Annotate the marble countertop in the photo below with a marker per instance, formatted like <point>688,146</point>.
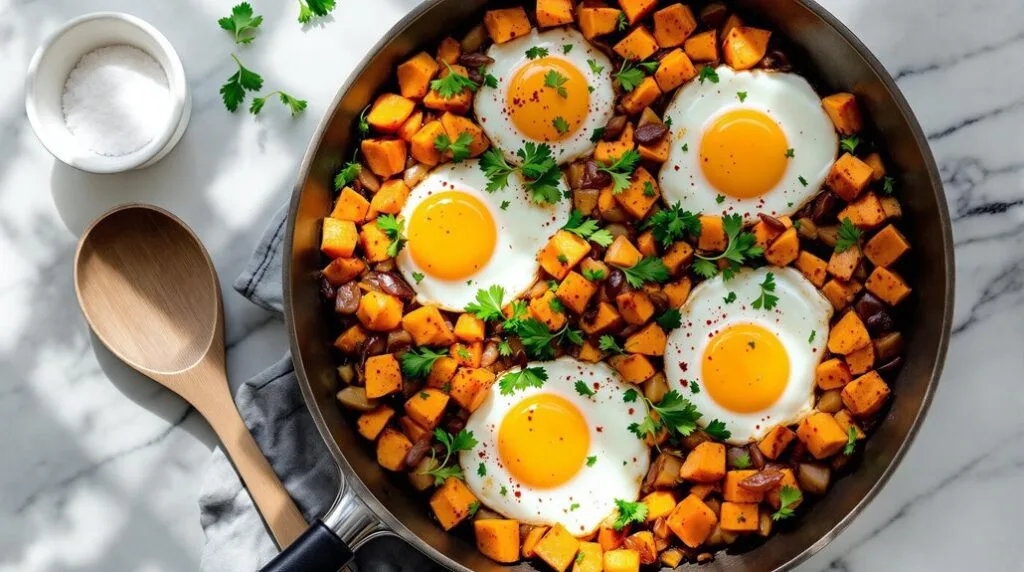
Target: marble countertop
<point>101,469</point>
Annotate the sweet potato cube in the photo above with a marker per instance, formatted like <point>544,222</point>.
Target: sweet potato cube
<point>610,539</point>
<point>743,47</point>
<point>467,354</point>
<point>532,538</point>
<point>886,247</point>
<point>339,238</point>
<point>821,434</point>
<point>673,24</point>
<point>426,407</point>
<point>622,560</point>
<point>739,517</point>
<point>385,157</point>
<point>411,126</point>
<point>845,420</point>
<point>575,292</point>
<point>590,558</point>
<point>891,207</point>
<point>674,70</point>
<point>452,502</point>
<point>371,423</point>
<point>848,177</point>
<point>413,430</point>
<point>557,548</point>
<point>775,442</point>
<point>589,353</point>
<point>554,13</point>
<point>469,328</point>
<point>865,212</point>
<point>677,291</point>
<point>832,374</point>
<point>563,251</point>
<point>705,463</point>
<point>812,267</point>
<point>427,327</point>
<point>862,360</point>
<point>692,520</point>
<point>658,151</point>
<point>785,249</point>
<point>712,233</point>
<point>843,264</point>
<point>389,112</point>
<point>842,109</point>
<point>622,253</point>
<point>497,539</point>
<point>351,206</point>
<point>887,285</point>
<point>659,504</point>
<point>342,270</point>
<point>597,20</point>
<point>456,125</point>
<point>390,198</point>
<point>469,385</point>
<point>848,334</point>
<point>606,319</point>
<point>422,145</point>
<point>841,293</point>
<point>383,376</point>
<point>702,47</point>
<point>379,312</point>
<point>676,256</point>
<point>788,480</point>
<point>458,103</point>
<point>414,75</point>
<point>874,160</point>
<point>642,96</point>
<point>374,242</point>
<point>732,491</point>
<point>506,24</point>
<point>635,307</point>
<point>634,368</point>
<point>637,10</point>
<point>392,447</point>
<point>866,394</point>
<point>449,50</point>
<point>351,340</point>
<point>543,309</point>
<point>442,372</point>
<point>649,340</point>
<point>607,152</point>
<point>642,192</point>
<point>638,45</point>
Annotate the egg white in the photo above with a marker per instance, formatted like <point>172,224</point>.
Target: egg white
<point>801,310</point>
<point>523,228</point>
<point>622,459</point>
<point>492,110</point>
<point>786,98</point>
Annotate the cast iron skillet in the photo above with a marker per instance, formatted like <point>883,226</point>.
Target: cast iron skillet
<point>372,502</point>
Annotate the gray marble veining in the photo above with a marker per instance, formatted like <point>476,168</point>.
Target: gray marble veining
<point>101,468</point>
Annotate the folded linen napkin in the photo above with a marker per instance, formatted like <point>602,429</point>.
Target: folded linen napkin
<point>271,405</point>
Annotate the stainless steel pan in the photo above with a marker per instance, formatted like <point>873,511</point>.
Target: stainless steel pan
<point>373,502</point>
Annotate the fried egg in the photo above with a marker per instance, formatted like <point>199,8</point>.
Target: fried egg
<point>461,238</point>
<point>752,368</point>
<point>558,97</point>
<point>755,142</point>
<point>557,454</point>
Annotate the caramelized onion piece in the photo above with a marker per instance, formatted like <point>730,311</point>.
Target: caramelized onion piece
<point>388,283</point>
<point>762,481</point>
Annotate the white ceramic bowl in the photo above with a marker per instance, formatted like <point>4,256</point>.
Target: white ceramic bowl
<point>53,62</point>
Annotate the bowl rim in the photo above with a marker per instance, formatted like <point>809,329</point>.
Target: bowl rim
<point>177,83</point>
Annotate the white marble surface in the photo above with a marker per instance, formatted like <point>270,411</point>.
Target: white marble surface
<point>100,469</point>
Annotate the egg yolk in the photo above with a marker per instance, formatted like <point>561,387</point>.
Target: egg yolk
<point>451,235</point>
<point>543,440</point>
<point>745,368</point>
<point>548,99</point>
<point>743,153</point>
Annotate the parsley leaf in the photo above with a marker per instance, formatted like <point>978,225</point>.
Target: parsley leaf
<point>587,228</point>
<point>851,441</point>
<point>525,378</point>
<point>788,497</point>
<point>716,429</point>
<point>730,298</point>
<point>583,389</point>
<point>419,361</point>
<point>597,134</point>
<point>594,66</point>
<point>673,412</point>
<point>630,395</point>
<point>802,180</point>
<point>742,246</point>
<point>347,174</point>
<point>535,52</point>
<point>566,48</point>
<point>392,228</point>
<point>489,79</point>
<point>488,304</point>
<point>541,171</point>
<point>607,343</point>
<point>669,320</point>
<point>766,300</point>
<point>621,170</point>
<point>296,105</point>
<point>560,124</point>
<point>848,236</point>
<point>242,23</point>
<point>452,84</point>
<point>591,460</point>
<point>790,153</point>
<point>850,143</point>
<point>629,512</point>
<point>557,81</point>
<point>418,277</point>
<point>538,341</point>
<point>459,148</point>
<point>233,91</point>
<point>720,199</point>
<point>742,95</point>
<point>649,269</point>
<point>463,441</point>
<point>742,461</point>
<point>310,8</point>
<point>629,76</point>
<point>505,204</point>
<point>481,469</point>
<point>672,224</point>
<point>887,185</point>
<point>496,169</point>
<point>621,23</point>
<point>594,275</point>
<point>694,387</point>
<point>707,73</point>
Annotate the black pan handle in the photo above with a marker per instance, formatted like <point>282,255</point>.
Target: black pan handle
<point>317,550</point>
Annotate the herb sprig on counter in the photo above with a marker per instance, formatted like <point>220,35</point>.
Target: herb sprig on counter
<point>243,80</point>
<point>309,9</point>
<point>242,23</point>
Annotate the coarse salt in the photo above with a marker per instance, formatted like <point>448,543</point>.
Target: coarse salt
<point>116,100</point>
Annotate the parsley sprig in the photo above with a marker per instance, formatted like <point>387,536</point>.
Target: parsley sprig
<point>649,269</point>
<point>669,320</point>
<point>587,228</point>
<point>583,389</point>
<point>538,168</point>
<point>850,143</point>
<point>621,170</point>
<point>742,246</point>
<point>672,224</point>
<point>243,80</point>
<point>851,441</point>
<point>674,413</point>
<point>295,104</point>
<point>418,362</point>
<point>347,174</point>
<point>629,512</point>
<point>488,304</point>
<point>630,76</point>
<point>707,73</point>
<point>557,81</point>
<point>607,343</point>
<point>242,23</point>
<point>538,341</point>
<point>525,378</point>
<point>392,226</point>
<point>767,300</point>
<point>848,236</point>
<point>788,497</point>
<point>459,148</point>
<point>309,9</point>
<point>536,52</point>
<point>452,84</point>
<point>463,441</point>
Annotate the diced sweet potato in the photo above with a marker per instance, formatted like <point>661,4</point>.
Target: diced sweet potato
<point>383,376</point>
<point>557,548</point>
<point>379,312</point>
<point>342,270</point>
<point>389,111</point>
<point>414,75</point>
<point>506,24</point>
<point>634,368</point>
<point>385,157</point>
<point>554,13</point>
<point>821,434</point>
<point>677,291</point>
<point>848,334</point>
<point>533,536</point>
<point>467,354</point>
<point>874,160</point>
<point>848,177</point>
<point>641,97</point>
<point>590,558</point>
<point>589,353</point>
<point>442,372</point>
<point>649,340</point>
<point>643,543</point>
<point>575,292</point>
<point>449,50</point>
<point>597,21</point>
<point>622,253</point>
<point>608,152</point>
<point>413,430</point>
<point>843,264</point>
<point>469,386</point>
<point>374,242</point>
<point>455,125</point>
<point>645,243</point>
<point>765,234</point>
<point>371,423</point>
<point>674,70</point>
<point>458,103</point>
<point>392,447</point>
<point>497,539</point>
<point>427,327</point>
<point>841,293</point>
<point>862,360</point>
<point>702,47</point>
<point>642,192</point>
<point>712,233</point>
<point>676,256</point>
<point>469,328</point>
<point>390,198</point>
<point>785,249</point>
<point>733,492</point>
<point>866,394</point>
<point>832,374</point>
<point>659,504</point>
<point>865,212</point>
<point>422,145</point>
<point>350,206</point>
<point>637,10</point>
<point>426,407</point>
<point>788,480</point>
<point>886,247</point>
<point>339,238</point>
<point>351,340</point>
<point>887,285</point>
<point>609,538</point>
<point>705,463</point>
<point>692,521</point>
<point>739,517</point>
<point>563,251</point>
<point>812,267</point>
<point>452,502</point>
<point>775,442</point>
<point>542,308</point>
<point>638,45</point>
<point>605,319</point>
<point>635,307</point>
<point>411,126</point>
<point>658,151</point>
<point>622,560</point>
<point>673,24</point>
<point>845,420</point>
<point>842,109</point>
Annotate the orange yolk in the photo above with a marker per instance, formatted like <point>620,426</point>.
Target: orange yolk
<point>745,368</point>
<point>743,153</point>
<point>543,440</point>
<point>451,235</point>
<point>548,99</point>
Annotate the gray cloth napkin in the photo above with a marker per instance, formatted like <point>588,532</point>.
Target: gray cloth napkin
<point>271,405</point>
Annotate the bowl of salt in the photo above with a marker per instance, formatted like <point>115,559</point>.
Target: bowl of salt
<point>107,93</point>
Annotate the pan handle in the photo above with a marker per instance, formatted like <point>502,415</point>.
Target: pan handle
<point>329,543</point>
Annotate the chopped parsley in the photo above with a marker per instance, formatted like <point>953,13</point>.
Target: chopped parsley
<point>593,274</point>
<point>505,204</point>
<point>742,461</point>
<point>560,124</point>
<point>621,169</point>
<point>566,48</point>
<point>591,460</point>
<point>463,441</point>
<point>391,226</point>
<point>621,23</point>
<point>488,304</point>
<point>583,389</point>
<point>557,81</point>
<point>459,148</point>
<point>887,185</point>
<point>594,66</point>
<point>851,441</point>
<point>649,269</point>
<point>742,246</point>
<point>597,134</point>
<point>850,143</point>
<point>535,52</point>
<point>788,497</point>
<point>523,379</point>
<point>742,95</point>
<point>848,236</point>
<point>720,199</point>
<point>587,228</point>
<point>347,174</point>
<point>503,491</point>
<point>574,506</point>
<point>686,147</point>
<point>481,469</point>
<point>790,153</point>
<point>694,387</point>
<point>563,258</point>
<point>707,73</point>
<point>673,412</point>
<point>538,341</point>
<point>810,338</point>
<point>802,180</point>
<point>766,300</point>
<point>489,79</point>
<point>629,512</point>
<point>473,508</point>
<point>649,189</point>
<point>464,354</point>
<point>607,343</point>
<point>669,320</point>
<point>730,298</point>
<point>672,224</point>
<point>716,429</point>
<point>418,277</point>
<point>504,348</point>
<point>629,76</point>
<point>452,84</point>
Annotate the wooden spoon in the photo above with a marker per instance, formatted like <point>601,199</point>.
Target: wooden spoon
<point>148,289</point>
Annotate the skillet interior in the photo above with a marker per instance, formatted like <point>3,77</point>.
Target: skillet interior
<point>840,63</point>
